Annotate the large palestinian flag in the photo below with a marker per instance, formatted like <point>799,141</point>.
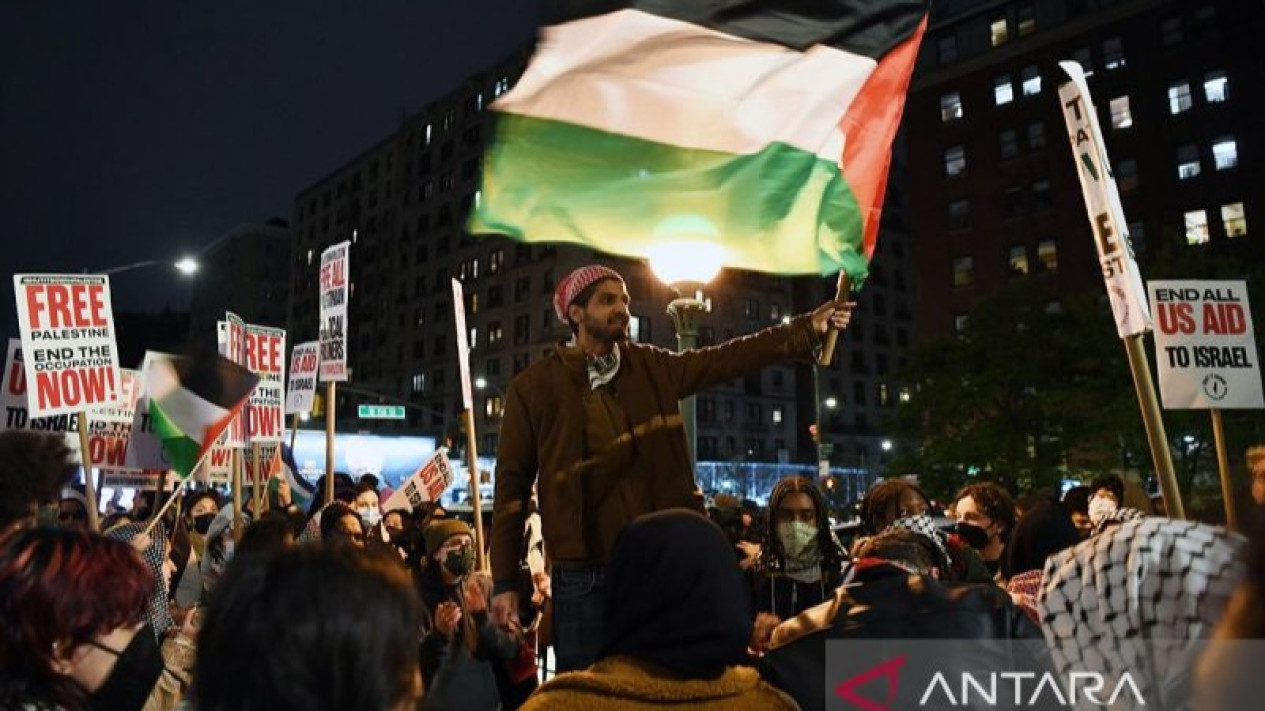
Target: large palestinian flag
<point>192,401</point>
<point>764,128</point>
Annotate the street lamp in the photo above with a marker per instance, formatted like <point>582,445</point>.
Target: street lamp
<point>831,403</point>
<point>188,266</point>
<point>687,266</point>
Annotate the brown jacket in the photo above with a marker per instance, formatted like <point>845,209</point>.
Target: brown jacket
<point>586,498</point>
<point>620,683</point>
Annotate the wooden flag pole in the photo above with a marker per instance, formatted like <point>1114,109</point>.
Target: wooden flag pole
<point>842,290</point>
<point>331,393</point>
<point>90,491</point>
<point>1223,466</point>
<point>1160,455</point>
<point>476,499</point>
<point>237,495</point>
<point>158,492</point>
<point>255,478</point>
<point>294,431</point>
<point>175,496</point>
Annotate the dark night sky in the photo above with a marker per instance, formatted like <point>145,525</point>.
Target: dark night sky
<point>141,130</point>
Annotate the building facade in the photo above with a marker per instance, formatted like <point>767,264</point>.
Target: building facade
<point>246,271</point>
<point>404,202</point>
<point>993,190</point>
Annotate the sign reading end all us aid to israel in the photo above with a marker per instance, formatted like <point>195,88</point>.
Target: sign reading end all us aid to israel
<point>1205,346</point>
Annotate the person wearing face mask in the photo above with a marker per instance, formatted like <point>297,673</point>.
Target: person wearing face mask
<point>461,644</point>
<point>801,561</point>
<point>898,505</point>
<point>201,508</point>
<point>368,508</point>
<point>985,513</point>
<point>73,630</point>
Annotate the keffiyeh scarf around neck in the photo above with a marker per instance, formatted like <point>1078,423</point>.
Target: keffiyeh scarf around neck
<point>157,611</point>
<point>1141,597</point>
<point>924,525</point>
<point>603,368</point>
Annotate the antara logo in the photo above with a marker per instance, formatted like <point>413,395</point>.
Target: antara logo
<point>888,670</point>
<point>1044,689</point>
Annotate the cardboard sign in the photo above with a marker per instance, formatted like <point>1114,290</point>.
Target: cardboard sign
<point>335,273</point>
<point>304,364</point>
<point>1205,346</point>
<point>265,356</point>
<point>217,468</point>
<point>129,479</point>
<point>463,345</point>
<point>144,449</point>
<point>1102,199</point>
<point>428,483</point>
<point>231,336</point>
<point>67,326</point>
<point>16,415</point>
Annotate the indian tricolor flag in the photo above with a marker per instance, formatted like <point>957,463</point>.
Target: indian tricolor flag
<point>192,401</point>
<point>762,128</point>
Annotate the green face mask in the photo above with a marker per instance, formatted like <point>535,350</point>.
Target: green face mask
<point>799,539</point>
<point>461,561</point>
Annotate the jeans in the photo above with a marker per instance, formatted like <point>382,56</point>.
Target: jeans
<point>578,607</point>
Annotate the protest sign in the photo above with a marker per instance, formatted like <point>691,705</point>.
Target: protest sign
<point>13,399</point>
<point>335,266</point>
<point>217,467</point>
<point>265,357</point>
<point>131,479</point>
<point>428,483</point>
<point>231,336</point>
<point>1205,346</point>
<point>70,360</point>
<point>304,362</point>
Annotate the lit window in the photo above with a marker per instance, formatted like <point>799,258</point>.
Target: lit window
<point>1171,31</point>
<point>309,257</point>
<point>998,32</point>
<point>1009,144</point>
<point>634,329</point>
<point>493,407</point>
<point>1121,116</point>
<point>1225,154</point>
<point>959,214</point>
<point>1197,227</point>
<point>1187,162</point>
<point>419,382</point>
<point>1179,98</point>
<point>959,323</point>
<point>947,49</point>
<point>1003,90</point>
<point>1031,81</point>
<point>1127,175</point>
<point>951,106</point>
<point>1026,20</point>
<point>474,339</point>
<point>954,161</point>
<point>1234,220</point>
<point>777,415</point>
<point>1047,255</point>
<point>1036,136</point>
<point>1113,53</point>
<point>1216,88</point>
<point>428,134</point>
<point>1018,260</point>
<point>963,271</point>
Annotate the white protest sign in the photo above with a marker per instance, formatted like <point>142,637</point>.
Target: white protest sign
<point>463,345</point>
<point>110,427</point>
<point>129,479</point>
<point>67,327</point>
<point>144,449</point>
<point>1102,199</point>
<point>1205,346</point>
<point>13,400</point>
<point>428,483</point>
<point>231,337</point>
<point>217,467</point>
<point>304,362</point>
<point>265,356</point>
<point>335,270</point>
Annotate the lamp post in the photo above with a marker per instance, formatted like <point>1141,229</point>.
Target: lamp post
<point>187,266</point>
<point>687,267</point>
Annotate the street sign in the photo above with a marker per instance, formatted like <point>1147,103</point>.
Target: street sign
<point>827,448</point>
<point>381,412</point>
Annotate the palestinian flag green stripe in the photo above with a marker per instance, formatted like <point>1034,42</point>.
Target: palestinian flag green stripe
<point>779,205</point>
<point>182,451</point>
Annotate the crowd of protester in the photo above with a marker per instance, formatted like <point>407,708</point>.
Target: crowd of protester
<point>346,606</point>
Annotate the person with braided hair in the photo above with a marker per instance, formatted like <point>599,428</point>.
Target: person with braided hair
<point>900,505</point>
<point>801,561</point>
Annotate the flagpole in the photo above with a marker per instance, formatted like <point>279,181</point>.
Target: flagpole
<point>175,496</point>
<point>294,431</point>
<point>1223,467</point>
<point>476,498</point>
<point>85,458</point>
<point>1155,435</point>
<point>237,494</point>
<point>842,290</point>
<point>331,393</point>
<point>158,492</point>
<point>256,477</point>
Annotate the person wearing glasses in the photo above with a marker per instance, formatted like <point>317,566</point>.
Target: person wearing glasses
<point>73,509</point>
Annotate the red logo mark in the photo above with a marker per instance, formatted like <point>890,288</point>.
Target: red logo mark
<point>888,669</point>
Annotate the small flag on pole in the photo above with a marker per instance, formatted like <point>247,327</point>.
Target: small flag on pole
<point>762,129</point>
<point>192,401</point>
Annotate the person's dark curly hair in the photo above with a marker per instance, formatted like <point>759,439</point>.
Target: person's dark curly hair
<point>1110,482</point>
<point>33,469</point>
<point>881,504</point>
<point>773,556</point>
<point>994,501</point>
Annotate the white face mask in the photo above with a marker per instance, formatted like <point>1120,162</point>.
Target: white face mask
<point>1100,507</point>
<point>370,516</point>
<point>799,539</point>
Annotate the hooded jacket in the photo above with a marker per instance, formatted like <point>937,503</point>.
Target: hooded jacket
<point>586,498</point>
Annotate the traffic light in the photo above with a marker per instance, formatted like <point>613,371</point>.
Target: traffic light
<point>814,432</point>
